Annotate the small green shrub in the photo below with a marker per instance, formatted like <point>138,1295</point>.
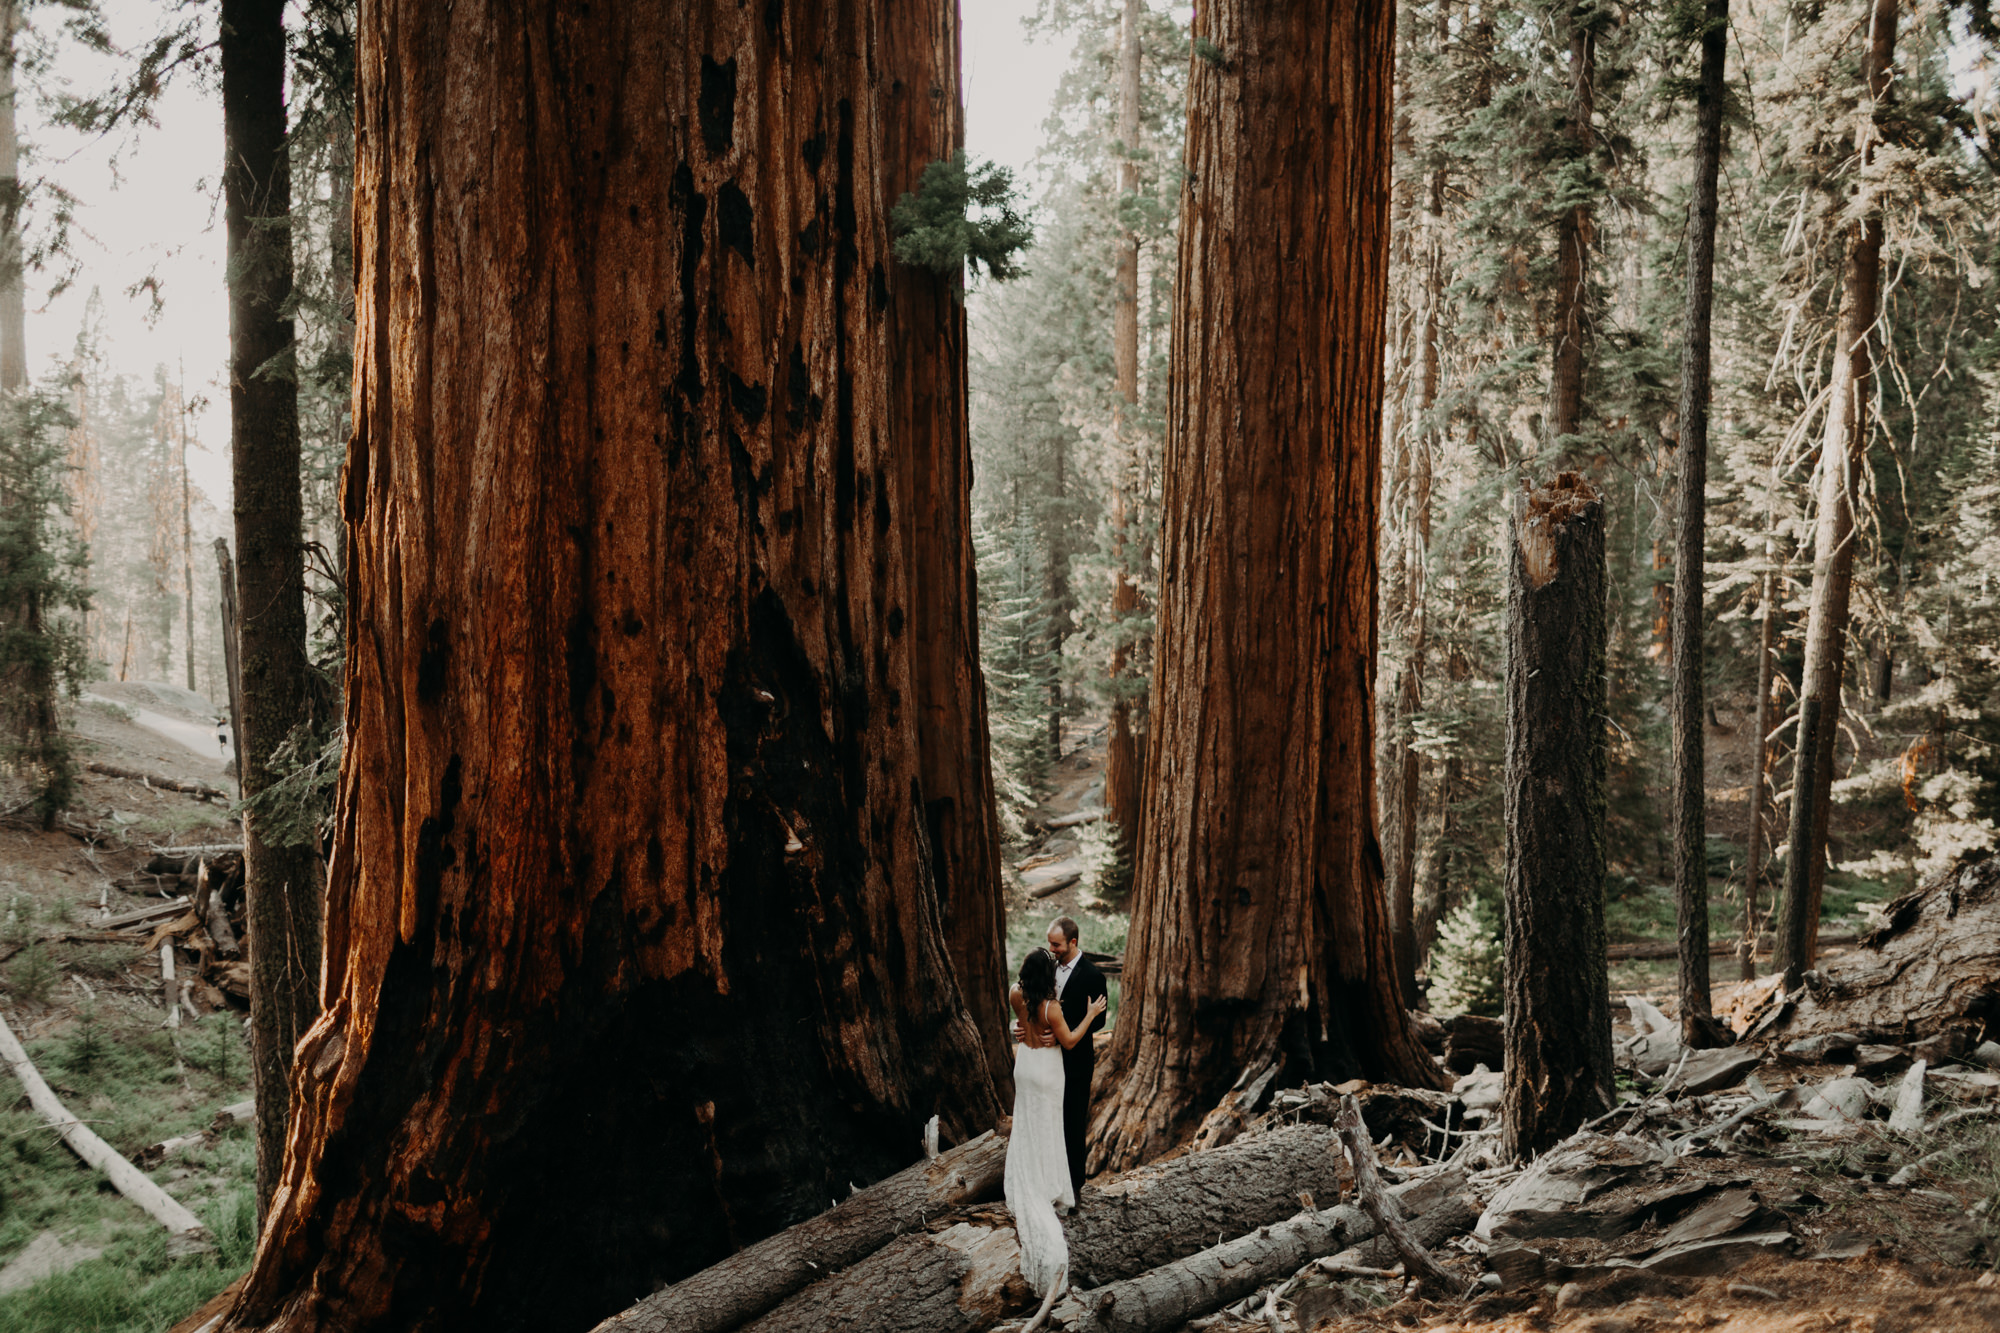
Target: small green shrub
<point>959,216</point>
<point>1465,963</point>
<point>34,974</point>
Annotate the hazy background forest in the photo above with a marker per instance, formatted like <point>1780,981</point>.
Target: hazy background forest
<point>116,487</point>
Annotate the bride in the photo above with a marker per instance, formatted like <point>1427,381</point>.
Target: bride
<point>1037,1166</point>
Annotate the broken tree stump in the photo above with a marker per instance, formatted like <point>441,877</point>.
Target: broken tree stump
<point>754,1280</point>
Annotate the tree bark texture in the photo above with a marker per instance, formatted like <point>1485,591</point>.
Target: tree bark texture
<point>1260,926</point>
<point>754,1280</point>
<point>924,122</point>
<point>963,1279</point>
<point>282,882</point>
<point>1558,1011</point>
<point>1575,231</point>
<point>1760,769</point>
<point>1690,783</point>
<point>1123,790</point>
<point>1843,455</point>
<point>634,955</point>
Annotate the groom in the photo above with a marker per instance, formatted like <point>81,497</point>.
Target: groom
<point>1078,982</point>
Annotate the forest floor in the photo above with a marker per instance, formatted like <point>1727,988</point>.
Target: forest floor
<point>74,1254</point>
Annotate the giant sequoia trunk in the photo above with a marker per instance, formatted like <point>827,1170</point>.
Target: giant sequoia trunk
<point>1123,755</point>
<point>281,879</point>
<point>922,123</point>
<point>1843,454</point>
<point>1558,1030</point>
<point>633,950</point>
<point>1260,930</point>
<point>1690,780</point>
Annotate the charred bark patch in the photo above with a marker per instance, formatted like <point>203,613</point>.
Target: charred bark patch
<point>813,151</point>
<point>798,390</point>
<point>809,239</point>
<point>716,106</point>
<point>433,662</point>
<point>694,215</point>
<point>736,222</point>
<point>749,400</point>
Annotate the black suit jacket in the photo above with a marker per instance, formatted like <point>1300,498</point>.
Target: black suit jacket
<point>1086,983</point>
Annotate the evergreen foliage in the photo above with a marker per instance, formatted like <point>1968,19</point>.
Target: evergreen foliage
<point>43,597</point>
<point>1466,974</point>
<point>962,215</point>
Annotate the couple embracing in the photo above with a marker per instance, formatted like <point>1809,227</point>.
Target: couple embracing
<point>1058,1002</point>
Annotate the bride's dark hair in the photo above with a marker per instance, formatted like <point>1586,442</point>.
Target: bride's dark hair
<point>1038,979</point>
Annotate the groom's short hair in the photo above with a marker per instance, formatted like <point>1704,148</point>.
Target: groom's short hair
<point>1067,925</point>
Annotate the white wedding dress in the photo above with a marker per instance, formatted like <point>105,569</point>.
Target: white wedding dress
<point>1037,1180</point>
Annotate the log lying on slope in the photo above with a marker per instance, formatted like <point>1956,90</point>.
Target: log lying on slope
<point>1934,966</point>
<point>1167,1211</point>
<point>757,1278</point>
<point>188,1232</point>
<point>967,1276</point>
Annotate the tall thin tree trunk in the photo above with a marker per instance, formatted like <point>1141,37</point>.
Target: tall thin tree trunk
<point>1843,455</point>
<point>1260,931</point>
<point>1558,1026</point>
<point>282,884</point>
<point>1574,235</point>
<point>187,536</point>
<point>924,122</point>
<point>1122,772</point>
<point>1698,1027</point>
<point>13,281</point>
<point>1760,768</point>
<point>633,949</point>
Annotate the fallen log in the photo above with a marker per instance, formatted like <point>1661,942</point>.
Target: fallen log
<point>1934,966</point>
<point>966,1277</point>
<point>1090,816</point>
<point>201,789</point>
<point>128,1179</point>
<point>1053,886</point>
<point>172,907</point>
<point>755,1279</point>
<point>1717,948</point>
<point>1167,1211</point>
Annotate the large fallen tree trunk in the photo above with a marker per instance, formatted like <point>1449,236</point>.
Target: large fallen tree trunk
<point>1935,965</point>
<point>1172,1209</point>
<point>966,1276</point>
<point>201,789</point>
<point>1169,1296</point>
<point>750,1282</point>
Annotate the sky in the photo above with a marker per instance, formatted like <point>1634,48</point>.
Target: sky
<point>148,207</point>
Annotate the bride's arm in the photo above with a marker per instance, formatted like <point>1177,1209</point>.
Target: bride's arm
<point>1061,1027</point>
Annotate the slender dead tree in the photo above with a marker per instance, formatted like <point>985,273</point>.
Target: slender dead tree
<point>1690,783</point>
<point>1843,455</point>
<point>1558,1023</point>
<point>634,953</point>
<point>1260,931</point>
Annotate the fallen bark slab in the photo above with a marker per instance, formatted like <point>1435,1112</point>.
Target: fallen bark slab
<point>128,1179</point>
<point>756,1279</point>
<point>201,789</point>
<point>1934,966</point>
<point>1167,1211</point>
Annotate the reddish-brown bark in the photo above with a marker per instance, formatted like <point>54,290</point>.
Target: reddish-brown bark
<point>633,950</point>
<point>1260,929</point>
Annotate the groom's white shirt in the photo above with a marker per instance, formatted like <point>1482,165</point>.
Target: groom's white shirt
<point>1062,975</point>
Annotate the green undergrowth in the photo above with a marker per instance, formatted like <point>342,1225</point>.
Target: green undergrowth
<point>134,1083</point>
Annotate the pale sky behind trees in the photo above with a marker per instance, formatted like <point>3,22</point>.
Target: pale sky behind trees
<point>148,206</point>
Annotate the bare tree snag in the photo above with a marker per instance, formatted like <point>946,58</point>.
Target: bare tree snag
<point>1843,455</point>
<point>1690,784</point>
<point>924,121</point>
<point>1388,1217</point>
<point>1760,769</point>
<point>757,1278</point>
<point>1558,1012</point>
<point>1571,355</point>
<point>282,881</point>
<point>634,954</point>
<point>1260,924</point>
